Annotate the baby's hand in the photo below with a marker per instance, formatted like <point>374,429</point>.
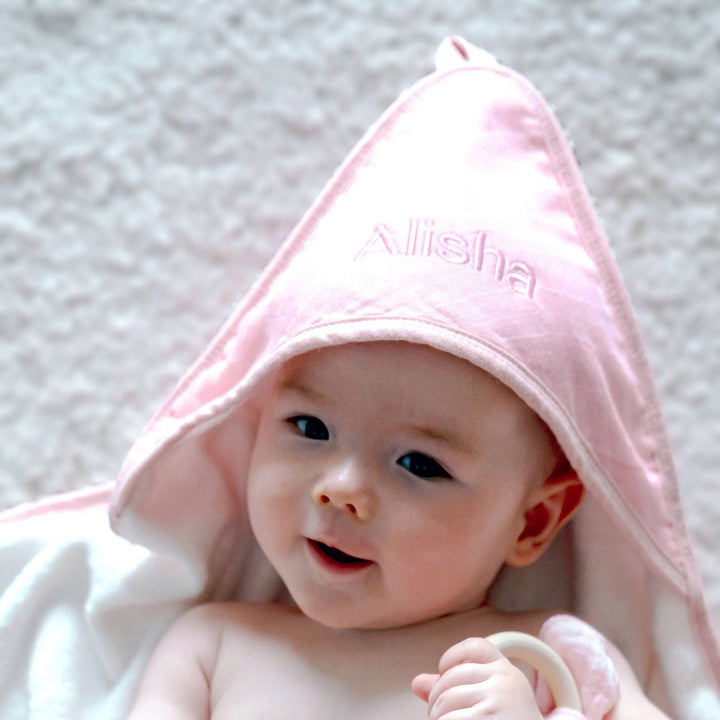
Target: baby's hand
<point>476,681</point>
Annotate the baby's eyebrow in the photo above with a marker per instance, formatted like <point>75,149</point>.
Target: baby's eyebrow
<point>449,438</point>
<point>297,387</point>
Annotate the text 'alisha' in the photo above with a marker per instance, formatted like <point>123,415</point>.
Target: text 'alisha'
<point>473,250</point>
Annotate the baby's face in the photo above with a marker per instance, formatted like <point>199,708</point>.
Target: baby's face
<point>389,482</point>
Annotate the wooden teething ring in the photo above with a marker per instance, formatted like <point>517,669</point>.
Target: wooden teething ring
<point>520,646</point>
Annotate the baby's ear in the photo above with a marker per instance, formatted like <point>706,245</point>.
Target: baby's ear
<point>550,506</point>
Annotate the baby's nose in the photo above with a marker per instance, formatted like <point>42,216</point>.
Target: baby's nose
<point>346,488</point>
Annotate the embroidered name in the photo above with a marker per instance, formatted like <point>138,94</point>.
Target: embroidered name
<point>469,249</point>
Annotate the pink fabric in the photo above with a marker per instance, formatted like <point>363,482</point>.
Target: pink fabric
<point>459,221</point>
<point>584,651</point>
<point>463,224</point>
<point>566,714</point>
<point>84,499</point>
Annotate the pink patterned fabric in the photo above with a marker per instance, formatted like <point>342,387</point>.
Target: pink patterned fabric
<point>584,651</point>
<point>459,221</point>
<point>566,714</point>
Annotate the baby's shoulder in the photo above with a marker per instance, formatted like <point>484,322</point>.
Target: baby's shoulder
<point>219,617</point>
<point>216,632</point>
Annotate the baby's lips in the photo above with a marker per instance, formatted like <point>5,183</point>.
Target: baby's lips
<point>338,555</point>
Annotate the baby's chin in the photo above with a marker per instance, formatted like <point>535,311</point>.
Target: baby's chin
<point>347,620</point>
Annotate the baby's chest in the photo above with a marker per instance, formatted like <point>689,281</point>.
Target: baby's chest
<point>284,702</point>
<point>282,686</point>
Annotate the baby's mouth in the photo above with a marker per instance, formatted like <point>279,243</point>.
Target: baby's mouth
<point>338,556</point>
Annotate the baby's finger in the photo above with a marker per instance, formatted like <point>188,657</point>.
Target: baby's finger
<point>471,650</point>
<point>457,701</point>
<point>460,676</point>
<point>422,685</point>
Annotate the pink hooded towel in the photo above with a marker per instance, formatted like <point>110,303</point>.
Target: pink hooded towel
<point>459,221</point>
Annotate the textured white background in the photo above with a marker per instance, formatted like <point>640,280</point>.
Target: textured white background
<point>153,154</point>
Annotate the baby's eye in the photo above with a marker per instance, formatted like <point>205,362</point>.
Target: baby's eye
<point>423,466</point>
<point>310,427</point>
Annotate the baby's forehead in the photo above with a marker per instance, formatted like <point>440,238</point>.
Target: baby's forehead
<point>418,369</point>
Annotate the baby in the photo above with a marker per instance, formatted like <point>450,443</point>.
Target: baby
<point>363,469</point>
<point>388,485</point>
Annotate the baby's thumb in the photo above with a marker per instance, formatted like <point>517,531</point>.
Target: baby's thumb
<point>422,685</point>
